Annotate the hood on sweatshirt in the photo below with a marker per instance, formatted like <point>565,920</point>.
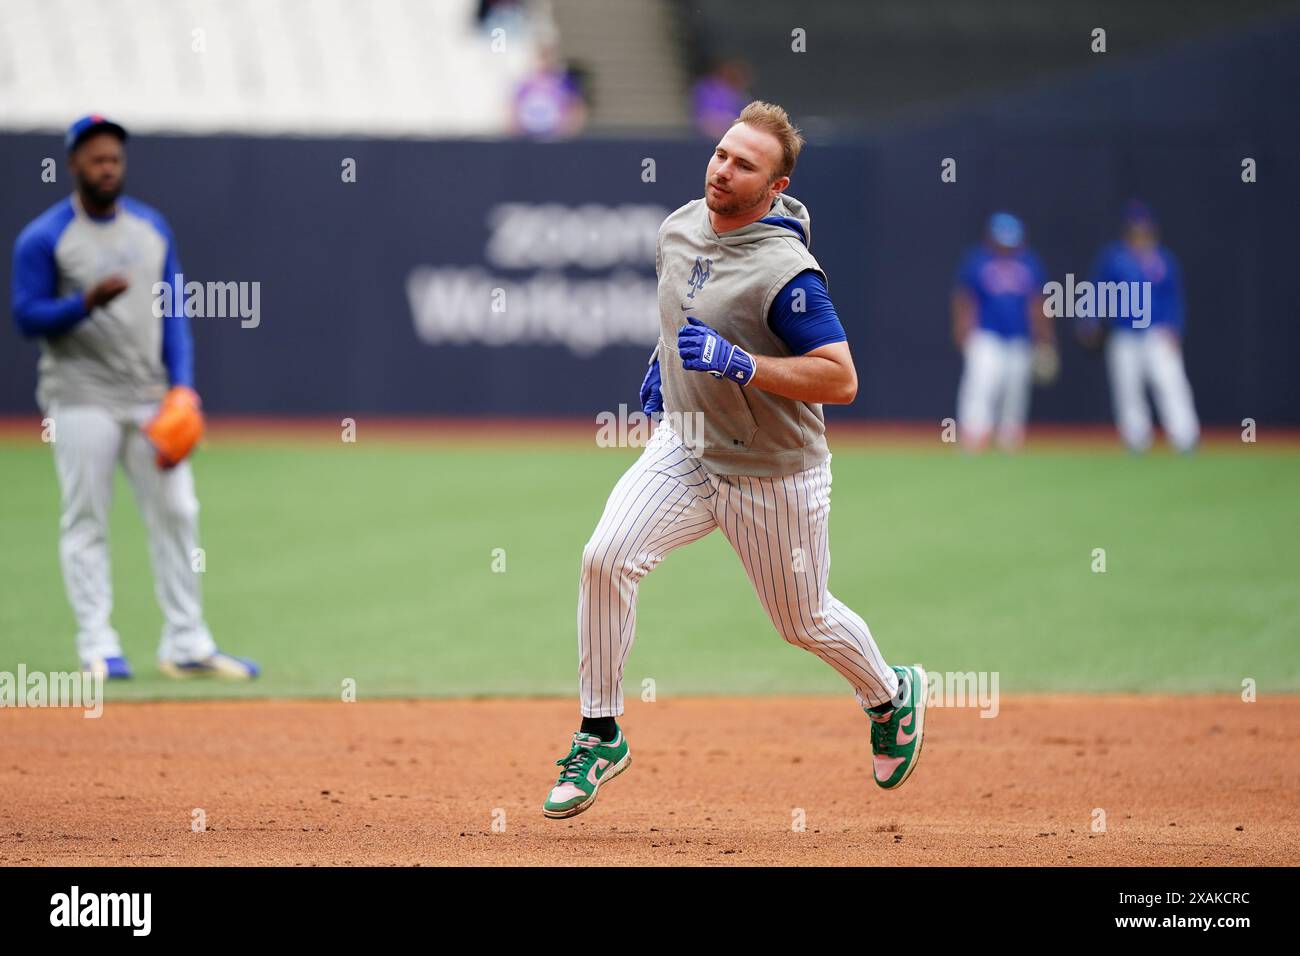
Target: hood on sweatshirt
<point>787,215</point>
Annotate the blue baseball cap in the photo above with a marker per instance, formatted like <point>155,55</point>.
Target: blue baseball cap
<point>93,123</point>
<point>1006,230</point>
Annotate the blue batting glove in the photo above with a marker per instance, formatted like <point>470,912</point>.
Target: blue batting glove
<point>704,350</point>
<point>652,400</point>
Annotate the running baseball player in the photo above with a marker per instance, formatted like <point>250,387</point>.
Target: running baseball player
<point>1004,336</point>
<point>750,347</point>
<point>1145,354</point>
<point>116,379</point>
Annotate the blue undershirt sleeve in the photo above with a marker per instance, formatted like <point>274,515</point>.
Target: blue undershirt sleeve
<point>38,311</point>
<point>177,341</point>
<point>803,316</point>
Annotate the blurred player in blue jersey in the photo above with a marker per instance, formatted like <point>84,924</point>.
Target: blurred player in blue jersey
<point>1145,355</point>
<point>116,375</point>
<point>1006,340</point>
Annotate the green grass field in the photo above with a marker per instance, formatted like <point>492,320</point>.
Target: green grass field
<point>375,562</point>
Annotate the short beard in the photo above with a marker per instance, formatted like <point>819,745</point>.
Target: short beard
<point>734,207</point>
<point>100,197</point>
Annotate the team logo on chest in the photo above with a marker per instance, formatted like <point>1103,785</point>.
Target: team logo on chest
<point>699,275</point>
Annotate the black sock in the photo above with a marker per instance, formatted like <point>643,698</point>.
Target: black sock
<point>602,727</point>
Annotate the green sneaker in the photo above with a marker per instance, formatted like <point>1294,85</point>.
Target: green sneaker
<point>896,739</point>
<point>588,764</point>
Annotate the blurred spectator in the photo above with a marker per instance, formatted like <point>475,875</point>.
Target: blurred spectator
<point>549,103</point>
<point>718,97</point>
<point>997,322</point>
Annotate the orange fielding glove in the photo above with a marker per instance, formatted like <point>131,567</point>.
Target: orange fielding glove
<point>177,427</point>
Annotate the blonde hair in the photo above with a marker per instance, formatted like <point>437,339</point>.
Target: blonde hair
<point>773,119</point>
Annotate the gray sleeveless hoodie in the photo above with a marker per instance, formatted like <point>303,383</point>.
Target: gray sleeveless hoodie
<point>728,282</point>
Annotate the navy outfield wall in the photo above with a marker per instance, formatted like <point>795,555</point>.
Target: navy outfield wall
<point>377,296</point>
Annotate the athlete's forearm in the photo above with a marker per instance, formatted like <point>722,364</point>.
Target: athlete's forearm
<point>806,378</point>
<point>37,317</point>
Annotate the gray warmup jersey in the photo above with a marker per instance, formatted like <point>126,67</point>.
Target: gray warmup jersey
<point>729,282</point>
<point>113,357</point>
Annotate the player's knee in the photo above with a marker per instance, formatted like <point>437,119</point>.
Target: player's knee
<point>178,508</point>
<point>594,564</point>
<point>810,629</point>
<point>83,527</point>
<point>600,564</point>
<point>794,636</point>
<point>801,632</point>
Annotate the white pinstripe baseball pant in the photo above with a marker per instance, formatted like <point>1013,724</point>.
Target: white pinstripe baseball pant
<point>776,525</point>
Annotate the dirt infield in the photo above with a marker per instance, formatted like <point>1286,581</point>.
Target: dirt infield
<point>1181,780</point>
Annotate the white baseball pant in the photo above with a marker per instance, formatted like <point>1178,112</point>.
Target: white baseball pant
<point>994,390</point>
<point>1136,359</point>
<point>777,526</point>
<point>89,441</point>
